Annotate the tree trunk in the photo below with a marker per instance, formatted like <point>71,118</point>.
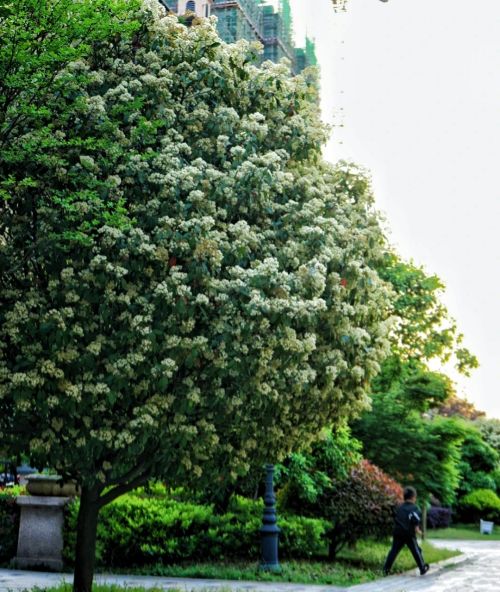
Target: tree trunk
<point>86,539</point>
<point>424,520</point>
<point>333,545</point>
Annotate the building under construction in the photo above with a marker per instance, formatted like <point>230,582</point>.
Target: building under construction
<point>253,20</point>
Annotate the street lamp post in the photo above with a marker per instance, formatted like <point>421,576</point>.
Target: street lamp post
<point>269,532</point>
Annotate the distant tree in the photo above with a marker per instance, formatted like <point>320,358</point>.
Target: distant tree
<point>479,463</point>
<point>411,448</point>
<point>399,434</point>
<point>456,406</point>
<point>424,329</point>
<point>490,430</point>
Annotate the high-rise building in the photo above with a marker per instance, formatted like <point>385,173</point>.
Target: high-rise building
<point>199,7</point>
<point>305,56</point>
<point>253,20</point>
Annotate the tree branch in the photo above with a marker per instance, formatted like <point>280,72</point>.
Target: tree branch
<point>111,495</point>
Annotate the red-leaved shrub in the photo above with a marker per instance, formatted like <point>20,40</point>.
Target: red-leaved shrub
<point>361,506</point>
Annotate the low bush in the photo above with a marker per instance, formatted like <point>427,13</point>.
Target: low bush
<point>137,530</point>
<point>438,517</point>
<point>481,503</point>
<point>9,524</point>
<point>361,506</point>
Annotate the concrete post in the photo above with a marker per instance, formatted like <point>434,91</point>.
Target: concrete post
<point>40,542</point>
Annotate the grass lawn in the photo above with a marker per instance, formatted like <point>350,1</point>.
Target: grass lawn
<point>465,532</point>
<point>353,566</point>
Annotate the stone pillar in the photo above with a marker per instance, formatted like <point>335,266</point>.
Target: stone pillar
<point>40,542</point>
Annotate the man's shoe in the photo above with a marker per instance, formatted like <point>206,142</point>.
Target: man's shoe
<point>424,570</point>
<point>386,572</point>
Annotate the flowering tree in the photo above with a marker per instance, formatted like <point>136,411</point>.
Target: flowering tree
<point>185,285</point>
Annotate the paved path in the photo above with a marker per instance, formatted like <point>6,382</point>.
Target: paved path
<point>477,571</point>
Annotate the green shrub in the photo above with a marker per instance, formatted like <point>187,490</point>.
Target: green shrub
<point>481,503</point>
<point>9,523</point>
<point>333,482</point>
<point>138,529</point>
<point>306,476</point>
<point>303,537</point>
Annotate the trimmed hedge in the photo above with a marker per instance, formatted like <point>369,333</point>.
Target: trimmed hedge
<point>480,503</point>
<point>438,517</point>
<point>136,531</point>
<point>9,524</point>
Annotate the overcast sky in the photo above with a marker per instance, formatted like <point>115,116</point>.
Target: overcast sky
<point>416,84</point>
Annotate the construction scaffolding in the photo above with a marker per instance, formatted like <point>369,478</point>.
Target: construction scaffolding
<point>255,20</point>
<point>311,58</point>
<point>277,36</point>
<point>239,19</point>
<point>286,17</point>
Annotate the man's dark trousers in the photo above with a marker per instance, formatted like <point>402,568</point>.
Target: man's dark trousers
<point>398,542</point>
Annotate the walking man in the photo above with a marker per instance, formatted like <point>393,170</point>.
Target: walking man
<point>406,525</point>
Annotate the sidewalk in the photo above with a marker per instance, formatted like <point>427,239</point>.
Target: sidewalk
<point>15,581</point>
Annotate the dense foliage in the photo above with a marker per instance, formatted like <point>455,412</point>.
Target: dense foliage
<point>402,434</point>
<point>307,476</point>
<point>144,530</point>
<point>480,504</point>
<point>478,465</point>
<point>490,431</point>
<point>9,524</point>
<point>38,39</point>
<point>410,447</point>
<point>333,482</point>
<point>165,264</point>
<point>424,329</point>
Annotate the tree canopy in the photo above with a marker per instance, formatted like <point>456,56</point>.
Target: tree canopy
<point>400,433</point>
<point>479,463</point>
<point>186,285</point>
<point>409,446</point>
<point>424,329</point>
<point>38,38</point>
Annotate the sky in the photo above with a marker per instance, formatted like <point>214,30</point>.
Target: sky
<point>416,86</point>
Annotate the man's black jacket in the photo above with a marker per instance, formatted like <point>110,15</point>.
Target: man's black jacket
<point>406,519</point>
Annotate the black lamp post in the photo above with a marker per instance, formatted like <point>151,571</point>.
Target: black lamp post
<point>269,531</point>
